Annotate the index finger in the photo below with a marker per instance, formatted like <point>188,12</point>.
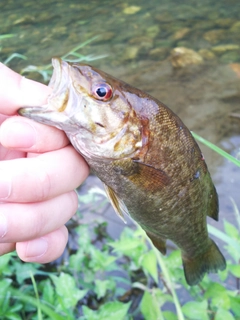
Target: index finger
<point>16,91</point>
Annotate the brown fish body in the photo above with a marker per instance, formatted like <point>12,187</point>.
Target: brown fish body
<point>150,164</point>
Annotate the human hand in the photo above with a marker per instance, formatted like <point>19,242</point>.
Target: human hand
<point>38,172</point>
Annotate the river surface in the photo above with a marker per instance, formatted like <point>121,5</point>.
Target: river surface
<point>137,38</point>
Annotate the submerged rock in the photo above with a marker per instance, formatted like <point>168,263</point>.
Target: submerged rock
<point>182,57</point>
<point>131,9</point>
<point>130,53</point>
<point>230,56</point>
<point>206,54</point>
<point>181,33</point>
<point>235,27</point>
<point>226,47</point>
<point>235,68</point>
<point>159,53</point>
<point>214,36</point>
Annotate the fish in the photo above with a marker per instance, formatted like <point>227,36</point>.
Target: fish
<point>152,168</point>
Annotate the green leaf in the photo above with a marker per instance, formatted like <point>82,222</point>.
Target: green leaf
<point>12,316</point>
<point>24,271</point>
<point>113,310</point>
<point>223,315</point>
<point>234,269</point>
<point>231,230</point>
<point>168,315</point>
<point>223,274</point>
<point>4,264</point>
<point>174,259</point>
<point>234,245</point>
<point>66,289</point>
<point>48,293</point>
<point>101,260</point>
<point>195,310</point>
<point>150,307</point>
<point>149,264</point>
<point>102,286</point>
<point>110,311</point>
<point>125,246</point>
<point>89,314</point>
<point>219,296</point>
<point>235,305</point>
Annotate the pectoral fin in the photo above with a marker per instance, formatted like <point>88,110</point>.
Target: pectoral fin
<point>144,176</point>
<point>116,202</point>
<point>149,178</point>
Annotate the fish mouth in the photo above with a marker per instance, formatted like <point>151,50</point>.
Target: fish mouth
<point>58,81</point>
<point>52,113</point>
<point>57,74</point>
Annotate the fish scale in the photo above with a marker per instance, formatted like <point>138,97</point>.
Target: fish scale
<point>150,164</point>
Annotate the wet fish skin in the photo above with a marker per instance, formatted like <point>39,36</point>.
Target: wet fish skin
<point>150,164</point>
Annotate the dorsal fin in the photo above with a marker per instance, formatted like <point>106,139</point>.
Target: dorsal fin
<point>116,202</point>
<point>213,206</point>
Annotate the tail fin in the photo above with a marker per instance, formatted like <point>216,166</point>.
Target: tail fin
<point>210,261</point>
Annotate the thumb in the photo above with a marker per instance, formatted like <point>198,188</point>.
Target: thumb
<point>16,91</point>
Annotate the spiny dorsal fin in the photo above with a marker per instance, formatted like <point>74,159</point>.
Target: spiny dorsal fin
<point>118,204</point>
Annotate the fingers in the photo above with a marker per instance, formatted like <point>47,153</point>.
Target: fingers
<point>42,177</point>
<point>41,235</point>
<point>34,220</point>
<point>24,134</point>
<point>17,91</point>
<point>6,154</point>
<point>6,248</point>
<point>43,249</point>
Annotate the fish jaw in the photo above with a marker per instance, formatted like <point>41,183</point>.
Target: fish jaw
<point>46,116</point>
<point>56,112</point>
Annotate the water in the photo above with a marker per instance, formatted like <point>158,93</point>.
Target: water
<point>138,37</point>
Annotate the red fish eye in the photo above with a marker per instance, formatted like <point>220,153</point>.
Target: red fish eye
<point>102,91</point>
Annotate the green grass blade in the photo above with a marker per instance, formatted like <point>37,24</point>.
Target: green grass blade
<point>5,36</point>
<point>13,56</point>
<point>222,236</point>
<point>39,311</point>
<point>167,277</point>
<point>81,45</point>
<point>216,149</point>
<point>236,212</point>
<point>19,295</point>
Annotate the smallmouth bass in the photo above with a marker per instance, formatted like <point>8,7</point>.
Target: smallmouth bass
<point>150,164</point>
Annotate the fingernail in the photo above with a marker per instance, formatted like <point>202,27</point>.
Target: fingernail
<point>18,134</point>
<point>36,248</point>
<point>3,225</point>
<point>5,185</point>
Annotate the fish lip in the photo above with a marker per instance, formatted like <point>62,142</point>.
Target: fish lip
<point>57,74</point>
<point>46,112</point>
<point>60,71</point>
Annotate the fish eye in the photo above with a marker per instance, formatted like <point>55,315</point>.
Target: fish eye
<point>102,91</point>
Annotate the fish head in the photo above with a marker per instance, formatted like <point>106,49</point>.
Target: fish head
<point>93,110</point>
